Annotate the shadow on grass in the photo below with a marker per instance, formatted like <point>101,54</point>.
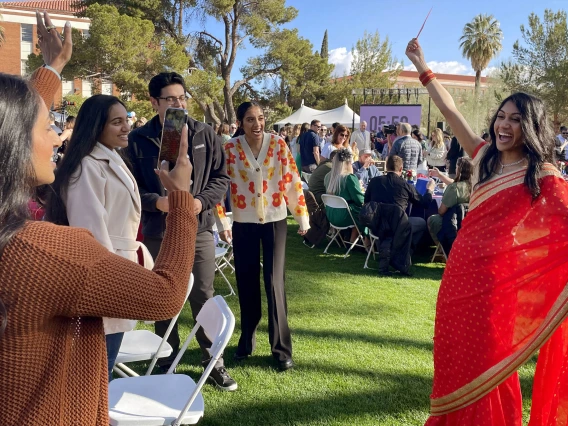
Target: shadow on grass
<point>363,337</point>
<point>401,393</point>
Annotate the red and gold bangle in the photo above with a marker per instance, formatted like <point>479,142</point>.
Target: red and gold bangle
<point>426,77</point>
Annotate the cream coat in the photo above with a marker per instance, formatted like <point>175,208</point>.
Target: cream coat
<point>106,201</point>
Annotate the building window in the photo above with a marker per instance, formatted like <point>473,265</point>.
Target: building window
<point>86,88</point>
<point>86,34</point>
<point>24,66</point>
<point>67,87</point>
<point>106,88</point>
<point>27,33</point>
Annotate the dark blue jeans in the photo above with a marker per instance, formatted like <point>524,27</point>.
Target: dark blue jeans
<point>113,342</point>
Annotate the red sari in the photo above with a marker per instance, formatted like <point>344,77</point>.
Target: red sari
<point>503,297</point>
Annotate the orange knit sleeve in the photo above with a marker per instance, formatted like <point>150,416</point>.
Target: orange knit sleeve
<point>46,82</point>
<point>76,276</point>
<point>118,288</point>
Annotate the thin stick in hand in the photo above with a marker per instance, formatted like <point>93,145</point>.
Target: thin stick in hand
<point>422,27</point>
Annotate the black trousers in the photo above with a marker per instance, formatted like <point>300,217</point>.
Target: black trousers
<point>204,275</point>
<point>247,238</point>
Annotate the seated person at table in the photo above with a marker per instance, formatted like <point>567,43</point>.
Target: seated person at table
<point>457,192</point>
<point>339,139</point>
<point>391,188</point>
<point>316,183</point>
<point>342,182</point>
<point>364,168</point>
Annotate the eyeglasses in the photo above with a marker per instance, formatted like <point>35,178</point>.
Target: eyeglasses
<point>343,135</point>
<point>565,133</point>
<point>173,99</point>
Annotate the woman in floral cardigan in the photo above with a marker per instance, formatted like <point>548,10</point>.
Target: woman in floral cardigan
<point>264,181</point>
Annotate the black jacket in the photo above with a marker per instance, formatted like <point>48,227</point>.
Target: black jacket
<point>210,178</point>
<point>393,189</point>
<point>451,224</point>
<point>319,225</point>
<point>456,151</point>
<point>390,223</point>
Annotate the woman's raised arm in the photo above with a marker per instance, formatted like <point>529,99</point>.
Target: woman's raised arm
<point>444,101</point>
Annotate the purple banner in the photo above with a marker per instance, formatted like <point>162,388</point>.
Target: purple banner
<point>378,116</point>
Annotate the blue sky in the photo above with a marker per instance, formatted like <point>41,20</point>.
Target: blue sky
<point>400,20</point>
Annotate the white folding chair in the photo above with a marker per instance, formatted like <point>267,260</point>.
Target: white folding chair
<point>172,399</point>
<point>439,253</point>
<point>306,176</point>
<point>143,345</point>
<point>371,250</point>
<point>340,203</point>
<point>222,260</point>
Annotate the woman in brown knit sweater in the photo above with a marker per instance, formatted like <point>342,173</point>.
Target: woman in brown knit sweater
<point>57,282</point>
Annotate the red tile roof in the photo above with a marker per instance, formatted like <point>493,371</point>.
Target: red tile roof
<point>66,6</point>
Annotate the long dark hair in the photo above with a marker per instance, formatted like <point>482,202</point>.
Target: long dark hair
<point>464,171</point>
<point>19,107</point>
<point>241,112</point>
<point>538,144</point>
<point>91,121</point>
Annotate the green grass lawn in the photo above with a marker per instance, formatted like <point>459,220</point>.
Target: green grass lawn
<point>362,347</point>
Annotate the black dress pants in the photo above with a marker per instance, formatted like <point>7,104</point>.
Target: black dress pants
<point>203,275</point>
<point>247,238</point>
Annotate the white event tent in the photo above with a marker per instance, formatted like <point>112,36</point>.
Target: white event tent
<point>342,115</point>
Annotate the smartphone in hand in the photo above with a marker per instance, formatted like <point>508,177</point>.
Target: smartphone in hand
<point>174,121</point>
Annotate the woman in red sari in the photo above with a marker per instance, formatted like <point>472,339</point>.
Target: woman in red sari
<point>503,295</point>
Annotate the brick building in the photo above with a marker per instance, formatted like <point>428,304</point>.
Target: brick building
<point>19,23</point>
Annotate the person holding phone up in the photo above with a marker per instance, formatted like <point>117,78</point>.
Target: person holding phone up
<point>210,182</point>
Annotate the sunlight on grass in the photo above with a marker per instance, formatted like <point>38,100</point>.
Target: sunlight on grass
<point>362,348</point>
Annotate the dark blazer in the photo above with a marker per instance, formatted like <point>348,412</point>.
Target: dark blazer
<point>210,178</point>
<point>390,223</point>
<point>451,224</point>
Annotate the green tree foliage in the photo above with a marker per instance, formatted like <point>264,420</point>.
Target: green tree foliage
<point>373,66</point>
<point>77,102</point>
<point>480,42</point>
<point>243,21</point>
<point>324,52</point>
<point>541,63</point>
<point>167,16</point>
<point>302,74</point>
<point>120,48</point>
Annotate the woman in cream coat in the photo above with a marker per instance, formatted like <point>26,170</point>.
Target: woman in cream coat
<point>94,189</point>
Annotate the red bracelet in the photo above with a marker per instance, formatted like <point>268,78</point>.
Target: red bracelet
<point>426,77</point>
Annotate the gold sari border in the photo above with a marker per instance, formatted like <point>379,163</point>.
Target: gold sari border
<point>490,189</point>
<point>497,374</point>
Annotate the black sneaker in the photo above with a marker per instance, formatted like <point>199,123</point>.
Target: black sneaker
<point>221,379</point>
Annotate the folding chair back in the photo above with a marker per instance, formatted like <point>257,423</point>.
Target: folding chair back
<point>337,202</point>
<point>172,399</point>
<point>142,345</point>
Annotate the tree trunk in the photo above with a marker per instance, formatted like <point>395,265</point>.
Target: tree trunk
<point>180,20</point>
<point>477,82</point>
<point>476,97</point>
<point>231,116</point>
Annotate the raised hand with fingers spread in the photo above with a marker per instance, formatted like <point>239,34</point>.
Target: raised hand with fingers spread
<point>55,48</point>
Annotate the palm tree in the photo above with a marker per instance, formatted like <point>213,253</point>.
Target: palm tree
<point>480,42</point>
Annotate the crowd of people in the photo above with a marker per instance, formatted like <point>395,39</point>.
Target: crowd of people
<point>502,297</point>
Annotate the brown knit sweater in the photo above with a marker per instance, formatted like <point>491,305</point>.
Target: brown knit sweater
<point>57,282</point>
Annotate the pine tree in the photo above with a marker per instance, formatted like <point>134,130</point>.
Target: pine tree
<point>324,47</point>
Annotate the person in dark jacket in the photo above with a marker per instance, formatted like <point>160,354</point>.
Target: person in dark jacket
<point>210,182</point>
<point>391,188</point>
<point>310,147</point>
<point>456,151</point>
